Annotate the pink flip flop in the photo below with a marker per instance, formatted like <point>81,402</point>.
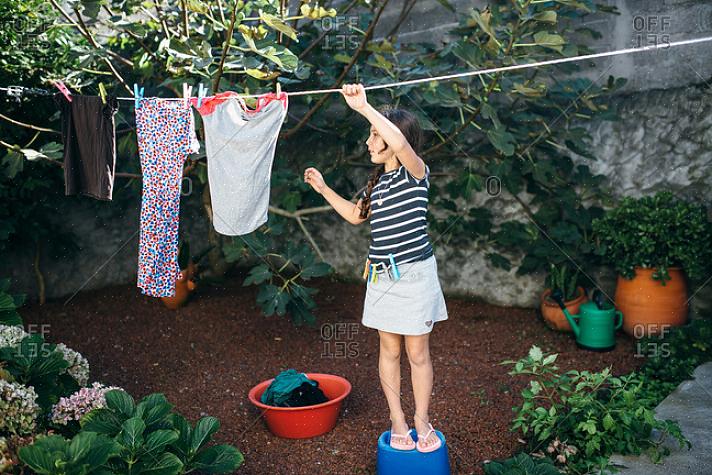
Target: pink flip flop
<point>429,448</point>
<point>402,441</point>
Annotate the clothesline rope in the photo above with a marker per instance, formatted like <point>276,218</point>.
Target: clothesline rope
<point>479,72</point>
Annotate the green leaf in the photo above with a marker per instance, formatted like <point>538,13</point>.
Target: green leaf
<point>502,140</point>
<point>132,433</point>
<point>549,40</point>
<point>167,464</point>
<point>548,16</point>
<point>257,275</point>
<point>316,270</point>
<point>218,459</point>
<point>277,24</point>
<point>204,430</point>
<point>120,401</point>
<point>13,163</point>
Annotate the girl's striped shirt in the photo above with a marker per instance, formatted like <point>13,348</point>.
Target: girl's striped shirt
<point>399,203</point>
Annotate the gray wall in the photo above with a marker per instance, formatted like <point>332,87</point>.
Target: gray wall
<point>663,141</point>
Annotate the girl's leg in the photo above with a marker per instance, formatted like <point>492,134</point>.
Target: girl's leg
<point>389,372</point>
<point>421,369</point>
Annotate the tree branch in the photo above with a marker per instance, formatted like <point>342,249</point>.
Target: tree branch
<point>226,48</point>
<point>337,83</point>
<point>29,126</point>
<point>92,42</point>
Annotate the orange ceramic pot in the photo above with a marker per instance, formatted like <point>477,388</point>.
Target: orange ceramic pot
<point>648,307</point>
<point>184,286</point>
<point>554,316</point>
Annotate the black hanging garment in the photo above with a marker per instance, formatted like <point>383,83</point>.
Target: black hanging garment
<point>89,142</point>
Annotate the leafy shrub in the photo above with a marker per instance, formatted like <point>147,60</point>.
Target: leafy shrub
<point>150,436</point>
<point>521,464</point>
<point>655,232</point>
<point>85,454</point>
<point>563,277</point>
<point>37,363</point>
<point>672,357</point>
<point>282,286</point>
<point>9,305</point>
<point>596,413</point>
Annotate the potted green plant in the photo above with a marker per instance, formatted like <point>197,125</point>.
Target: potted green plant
<point>566,278</point>
<point>655,244</point>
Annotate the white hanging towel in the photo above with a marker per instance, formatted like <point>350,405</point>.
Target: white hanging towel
<point>240,145</point>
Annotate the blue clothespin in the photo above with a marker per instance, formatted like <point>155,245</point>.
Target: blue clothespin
<point>138,95</point>
<point>394,266</point>
<point>201,94</point>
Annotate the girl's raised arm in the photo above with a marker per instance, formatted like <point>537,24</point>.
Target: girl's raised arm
<point>355,96</point>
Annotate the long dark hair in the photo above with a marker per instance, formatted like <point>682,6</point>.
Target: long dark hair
<point>408,124</point>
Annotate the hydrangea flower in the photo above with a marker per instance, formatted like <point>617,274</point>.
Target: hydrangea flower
<point>78,364</point>
<point>74,407</point>
<point>18,408</point>
<point>5,456</point>
<point>11,335</point>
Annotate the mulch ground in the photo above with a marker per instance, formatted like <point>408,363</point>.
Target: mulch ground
<point>206,356</point>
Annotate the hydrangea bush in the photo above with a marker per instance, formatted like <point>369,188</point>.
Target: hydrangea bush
<point>11,335</point>
<point>18,408</point>
<point>78,364</point>
<point>74,407</point>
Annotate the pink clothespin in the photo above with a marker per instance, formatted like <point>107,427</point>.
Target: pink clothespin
<point>63,89</point>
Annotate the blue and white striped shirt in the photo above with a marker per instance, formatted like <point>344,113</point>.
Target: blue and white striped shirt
<point>399,203</point>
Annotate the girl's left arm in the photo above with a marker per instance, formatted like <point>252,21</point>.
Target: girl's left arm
<point>355,96</point>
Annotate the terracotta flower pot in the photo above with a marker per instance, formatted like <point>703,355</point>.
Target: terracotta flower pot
<point>554,316</point>
<point>649,307</point>
<point>184,286</point>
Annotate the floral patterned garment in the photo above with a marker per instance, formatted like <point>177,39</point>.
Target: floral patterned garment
<point>166,136</point>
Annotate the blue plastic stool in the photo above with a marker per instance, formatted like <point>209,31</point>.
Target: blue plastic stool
<point>395,462</point>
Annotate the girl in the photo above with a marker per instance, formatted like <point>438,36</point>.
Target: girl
<point>403,294</point>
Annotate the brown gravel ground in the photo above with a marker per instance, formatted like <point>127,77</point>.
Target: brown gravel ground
<point>206,356</point>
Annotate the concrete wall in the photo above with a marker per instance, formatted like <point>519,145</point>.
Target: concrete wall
<point>662,141</point>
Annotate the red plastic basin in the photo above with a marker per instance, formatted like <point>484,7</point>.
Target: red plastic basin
<point>307,421</point>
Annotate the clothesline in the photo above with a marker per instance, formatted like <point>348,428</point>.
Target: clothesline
<point>479,72</point>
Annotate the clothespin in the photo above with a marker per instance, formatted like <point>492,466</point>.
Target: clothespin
<point>366,268</point>
<point>138,95</point>
<point>15,92</point>
<point>102,92</point>
<point>187,92</point>
<point>201,94</point>
<point>279,90</point>
<point>396,273</point>
<point>63,89</point>
<point>375,273</point>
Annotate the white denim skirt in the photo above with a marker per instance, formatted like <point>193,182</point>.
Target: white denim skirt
<point>408,306</point>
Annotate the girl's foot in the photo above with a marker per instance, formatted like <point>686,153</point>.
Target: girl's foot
<point>399,426</point>
<point>423,427</point>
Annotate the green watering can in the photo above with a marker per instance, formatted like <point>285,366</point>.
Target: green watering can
<point>596,324</point>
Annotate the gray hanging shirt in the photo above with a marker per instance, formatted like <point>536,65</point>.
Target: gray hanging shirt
<point>240,145</point>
